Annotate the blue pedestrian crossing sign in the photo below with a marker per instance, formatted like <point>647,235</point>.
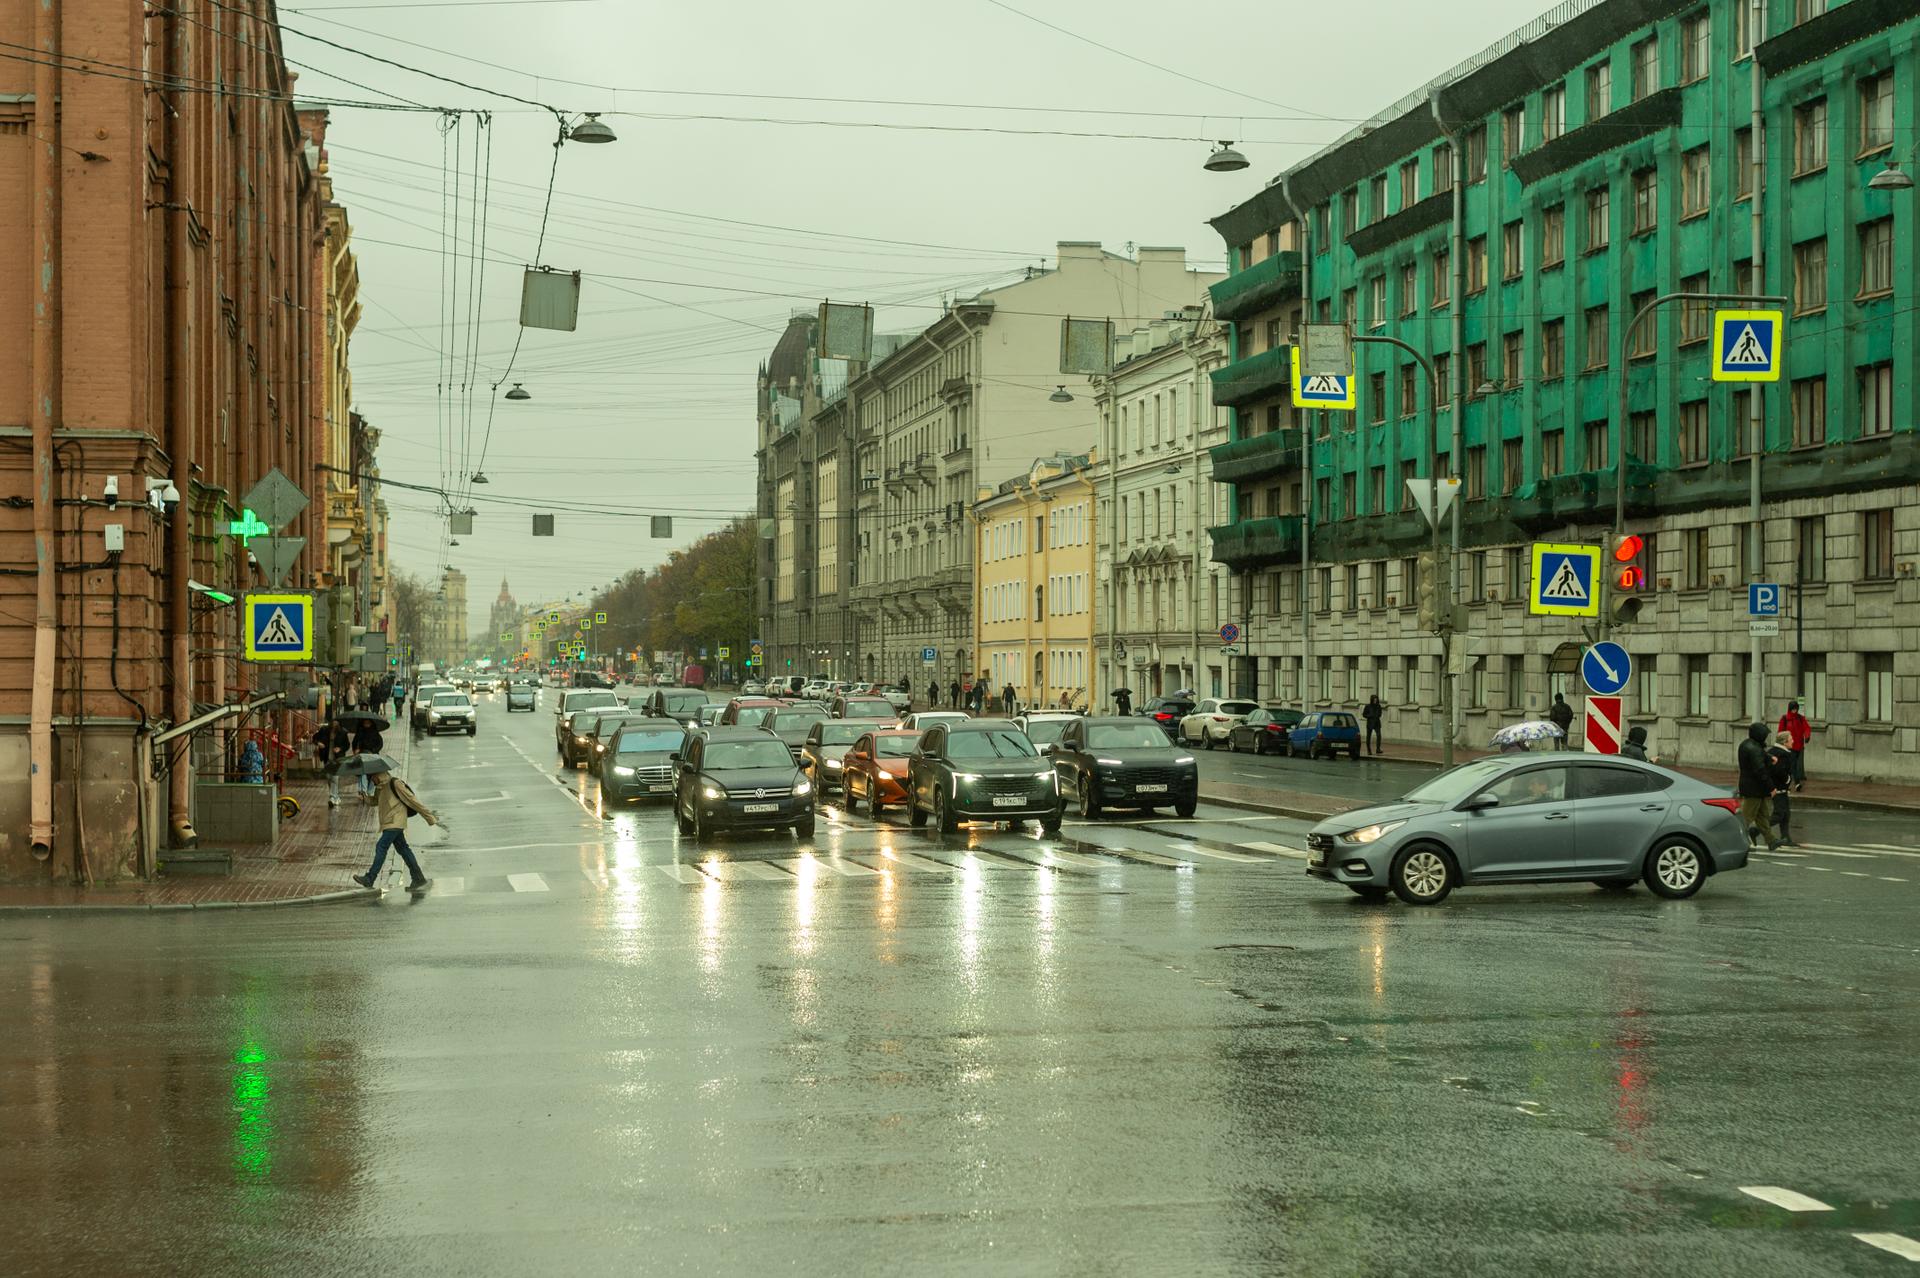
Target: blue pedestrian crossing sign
<point>1606,667</point>
<point>279,627</point>
<point>1746,346</point>
<point>1565,581</point>
<point>1319,390</point>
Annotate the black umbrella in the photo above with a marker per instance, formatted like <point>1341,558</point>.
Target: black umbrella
<point>379,722</point>
<point>355,765</point>
<point>1123,692</point>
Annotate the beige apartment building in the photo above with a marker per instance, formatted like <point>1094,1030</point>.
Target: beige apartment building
<point>1033,603</point>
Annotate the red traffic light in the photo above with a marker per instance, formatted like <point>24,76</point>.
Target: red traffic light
<point>1628,547</point>
<point>1630,577</point>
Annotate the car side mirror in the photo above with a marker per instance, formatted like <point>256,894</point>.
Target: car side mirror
<point>1480,803</point>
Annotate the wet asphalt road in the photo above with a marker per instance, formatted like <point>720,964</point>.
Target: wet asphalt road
<point>1150,1048</point>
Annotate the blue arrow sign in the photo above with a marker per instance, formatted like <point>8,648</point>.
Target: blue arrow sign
<point>1606,667</point>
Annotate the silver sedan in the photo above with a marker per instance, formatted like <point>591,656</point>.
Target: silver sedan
<point>1528,818</point>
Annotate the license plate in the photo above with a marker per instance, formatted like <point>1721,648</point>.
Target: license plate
<point>762,807</point>
<point>1009,803</point>
<point>658,789</point>
<point>1151,789</point>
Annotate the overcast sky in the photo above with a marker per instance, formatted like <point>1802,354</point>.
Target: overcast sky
<point>698,236</point>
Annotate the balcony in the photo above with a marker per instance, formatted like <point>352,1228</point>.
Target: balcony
<point>1256,543</point>
<point>1252,378</point>
<point>1256,456</point>
<point>1264,284</point>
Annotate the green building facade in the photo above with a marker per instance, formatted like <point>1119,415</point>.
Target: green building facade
<point>1549,187</point>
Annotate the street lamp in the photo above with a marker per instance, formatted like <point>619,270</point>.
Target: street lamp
<point>1224,159</point>
<point>1891,178</point>
<point>1060,396</point>
<point>518,392</point>
<point>591,130</point>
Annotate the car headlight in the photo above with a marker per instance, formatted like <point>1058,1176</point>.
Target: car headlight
<point>1369,833</point>
<point>713,792</point>
<point>1185,758</point>
<point>619,771</point>
<point>1111,763</point>
<point>1042,776</point>
<point>577,737</point>
<point>803,787</point>
<point>966,776</point>
<point>835,763</point>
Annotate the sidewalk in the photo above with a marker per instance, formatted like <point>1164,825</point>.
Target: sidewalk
<point>1838,793</point>
<point>310,865</point>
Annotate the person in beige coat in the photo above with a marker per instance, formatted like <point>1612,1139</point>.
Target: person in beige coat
<point>397,802</point>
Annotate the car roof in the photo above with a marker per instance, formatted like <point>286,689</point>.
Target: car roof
<point>1116,719</point>
<point>735,732</point>
<point>987,725</point>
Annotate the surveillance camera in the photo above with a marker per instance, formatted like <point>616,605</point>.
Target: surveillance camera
<point>112,491</point>
<point>170,495</point>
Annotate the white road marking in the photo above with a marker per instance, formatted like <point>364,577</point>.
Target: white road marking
<point>1891,847</point>
<point>501,797</point>
<point>1899,1244</point>
<point>450,885</point>
<point>1888,878</point>
<point>1822,849</point>
<point>528,883</point>
<point>908,860</point>
<point>1818,869</point>
<point>1785,1198</point>
<point>1278,849</point>
<point>734,870</point>
<point>1225,856</point>
<point>1856,874</point>
<point>681,873</point>
<point>847,869</point>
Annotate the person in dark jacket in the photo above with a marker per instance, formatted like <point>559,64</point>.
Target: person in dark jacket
<point>367,740</point>
<point>1635,746</point>
<point>1007,699</point>
<point>953,694</point>
<point>1371,712</point>
<point>1780,758</point>
<point>1123,700</point>
<point>1756,786</point>
<point>1561,715</point>
<point>331,743</point>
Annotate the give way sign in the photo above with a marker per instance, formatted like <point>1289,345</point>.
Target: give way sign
<point>1603,725</point>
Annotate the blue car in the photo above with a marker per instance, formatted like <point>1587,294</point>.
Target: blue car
<point>1324,733</point>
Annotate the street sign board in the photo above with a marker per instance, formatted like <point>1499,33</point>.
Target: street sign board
<point>1565,581</point>
<point>373,655</point>
<point>279,627</point>
<point>1229,633</point>
<point>1445,491</point>
<point>1746,345</point>
<point>1763,599</point>
<point>276,499</point>
<point>1320,390</point>
<point>1763,627</point>
<point>276,556</point>
<point>929,655</point>
<point>1602,735</point>
<point>723,653</point>
<point>600,618</point>
<point>1606,667</point>
<point>1326,348</point>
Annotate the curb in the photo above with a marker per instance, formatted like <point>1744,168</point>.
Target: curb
<point>323,898</point>
<point>1272,809</point>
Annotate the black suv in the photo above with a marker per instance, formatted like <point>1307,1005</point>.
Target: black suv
<point>639,760</point>
<point>1168,712</point>
<point>1125,763</point>
<point>981,770</point>
<point>680,704</point>
<point>740,778</point>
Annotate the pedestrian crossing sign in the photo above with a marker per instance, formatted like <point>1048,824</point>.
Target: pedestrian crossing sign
<point>1565,581</point>
<point>1320,390</point>
<point>1746,346</point>
<point>279,627</point>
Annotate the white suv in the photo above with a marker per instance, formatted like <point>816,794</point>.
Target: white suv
<point>451,712</point>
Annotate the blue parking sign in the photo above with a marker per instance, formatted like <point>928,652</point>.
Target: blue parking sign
<point>1763,599</point>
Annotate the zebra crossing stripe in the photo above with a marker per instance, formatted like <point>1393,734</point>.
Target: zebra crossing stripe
<point>527,883</point>
<point>681,873</point>
<point>450,885</point>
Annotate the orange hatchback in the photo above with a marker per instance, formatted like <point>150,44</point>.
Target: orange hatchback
<point>874,768</point>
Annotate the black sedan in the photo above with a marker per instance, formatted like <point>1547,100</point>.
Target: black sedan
<point>980,770</point>
<point>1264,730</point>
<point>639,760</point>
<point>1125,763</point>
<point>741,778</point>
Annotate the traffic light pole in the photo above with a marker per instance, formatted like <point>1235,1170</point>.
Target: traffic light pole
<point>1433,519</point>
<point>1620,420</point>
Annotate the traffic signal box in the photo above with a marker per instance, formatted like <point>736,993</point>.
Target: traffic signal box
<point>1629,579</point>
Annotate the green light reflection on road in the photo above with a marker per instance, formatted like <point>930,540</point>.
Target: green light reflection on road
<point>253,1123</point>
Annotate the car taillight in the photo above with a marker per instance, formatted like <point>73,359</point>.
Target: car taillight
<point>1273,727</point>
<point>1731,805</point>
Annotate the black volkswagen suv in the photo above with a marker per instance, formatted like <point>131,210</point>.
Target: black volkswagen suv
<point>1125,763</point>
<point>981,770</point>
<point>639,760</point>
<point>740,778</point>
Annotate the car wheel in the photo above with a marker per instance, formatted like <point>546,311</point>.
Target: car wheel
<point>1422,875</point>
<point>472,731</point>
<point>681,818</point>
<point>1186,808</point>
<point>702,831</point>
<point>1206,738</point>
<point>943,818</point>
<point>1368,891</point>
<point>916,816</point>
<point>804,829</point>
<point>1233,744</point>
<point>1089,799</point>
<point>874,806</point>
<point>1675,869</point>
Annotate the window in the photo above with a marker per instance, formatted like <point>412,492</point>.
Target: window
<point>1878,674</point>
<point>1377,199</point>
<point>1807,10</point>
<point>1876,544</point>
<point>1813,686</point>
<point>1693,432</point>
<point>1350,305</point>
<point>1442,277</point>
<point>1476,575</point>
<point>1742,164</point>
<point>1810,137</point>
<point>1443,385</point>
<point>1693,559</point>
<point>1647,680</point>
<point>1516,682</point>
<point>1349,507</point>
<point>1442,168</point>
<point>1553,112</point>
<point>1322,230</point>
<point>1742,31</point>
<point>1353,587</point>
<point>1377,301</point>
<point>1696,47</point>
<point>1646,67</point>
<point>1409,288</point>
<point>1477,154</point>
<point>1476,264</point>
<point>1515,578</point>
<point>1599,90</point>
<point>1377,505</point>
<point>1326,678</point>
<point>1553,453</point>
<point>1596,326</point>
<point>1876,257</point>
<point>1697,684</point>
<point>1876,112</point>
<point>1553,348</point>
<point>1510,257</point>
<point>1411,666</point>
<point>1553,235</point>
<point>1512,464</point>
<point>1476,368</point>
<point>1349,212</point>
<point>1476,484</point>
<point>1810,534</point>
<point>1511,348</point>
<point>1410,390</point>
<point>1644,335</point>
<point>1409,471</point>
<point>1876,399</point>
<point>1695,317</point>
<point>1377,398</point>
<point>1643,436</point>
<point>1409,182</point>
<point>1809,411</point>
<point>1646,200</point>
<point>1695,182</point>
<point>1810,276</point>
<point>1326,593</point>
<point>1513,123</point>
<point>1597,218</point>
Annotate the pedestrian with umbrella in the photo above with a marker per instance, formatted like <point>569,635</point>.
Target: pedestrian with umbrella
<point>331,742</point>
<point>366,730</point>
<point>397,803</point>
<point>1123,700</point>
<point>1516,737</point>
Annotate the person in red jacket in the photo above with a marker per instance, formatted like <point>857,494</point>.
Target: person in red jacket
<point>1795,725</point>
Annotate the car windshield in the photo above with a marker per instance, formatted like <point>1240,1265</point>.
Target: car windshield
<point>1125,736</point>
<point>684,702</point>
<point>791,719</point>
<point>997,744</point>
<point>1238,707</point>
<point>587,700</point>
<point>840,733</point>
<point>1457,783</point>
<point>752,716</point>
<point>895,747</point>
<point>1039,730</point>
<point>728,756</point>
<point>606,723</point>
<point>866,707</point>
<point>451,699</point>
<point>1336,721</point>
<point>650,740</point>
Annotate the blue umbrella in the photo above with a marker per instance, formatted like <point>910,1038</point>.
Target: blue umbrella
<point>1531,730</point>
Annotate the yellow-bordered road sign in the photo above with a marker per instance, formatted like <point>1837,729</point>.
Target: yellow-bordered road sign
<point>1319,390</point>
<point>1746,345</point>
<point>278,627</point>
<point>1566,581</point>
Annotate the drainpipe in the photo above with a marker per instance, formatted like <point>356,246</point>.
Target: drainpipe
<point>1456,374</point>
<point>1113,534</point>
<point>1756,419</point>
<point>1194,345</point>
<point>1306,448</point>
<point>179,430</point>
<point>45,380</point>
